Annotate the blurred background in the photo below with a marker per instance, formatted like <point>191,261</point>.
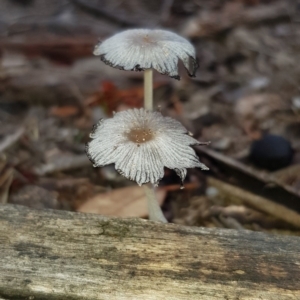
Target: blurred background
<point>245,99</point>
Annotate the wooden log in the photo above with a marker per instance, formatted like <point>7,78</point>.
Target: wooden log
<point>51,255</point>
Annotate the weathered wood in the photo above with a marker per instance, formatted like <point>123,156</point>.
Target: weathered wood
<point>63,255</point>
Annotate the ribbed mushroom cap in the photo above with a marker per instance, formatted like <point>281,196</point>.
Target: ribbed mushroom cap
<point>140,49</point>
<point>141,143</point>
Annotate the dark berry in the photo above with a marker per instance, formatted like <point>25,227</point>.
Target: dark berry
<point>272,152</point>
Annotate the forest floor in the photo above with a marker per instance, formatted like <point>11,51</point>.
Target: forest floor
<point>52,91</point>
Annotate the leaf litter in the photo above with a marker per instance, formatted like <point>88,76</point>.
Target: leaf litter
<point>53,90</point>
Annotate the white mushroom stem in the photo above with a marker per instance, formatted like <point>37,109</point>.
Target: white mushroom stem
<point>154,210</point>
<point>148,89</point>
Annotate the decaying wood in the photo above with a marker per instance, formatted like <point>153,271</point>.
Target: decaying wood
<point>51,254</point>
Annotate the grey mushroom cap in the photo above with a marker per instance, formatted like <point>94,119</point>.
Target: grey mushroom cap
<point>140,49</point>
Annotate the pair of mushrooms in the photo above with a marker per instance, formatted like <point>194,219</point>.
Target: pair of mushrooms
<point>141,142</point>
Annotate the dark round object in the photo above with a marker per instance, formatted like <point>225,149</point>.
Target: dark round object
<point>272,152</point>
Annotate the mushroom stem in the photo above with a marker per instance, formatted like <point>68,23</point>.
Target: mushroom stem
<point>148,89</point>
<point>155,212</point>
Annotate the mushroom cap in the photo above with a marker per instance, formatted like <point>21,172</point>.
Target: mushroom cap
<point>140,49</point>
<point>141,143</point>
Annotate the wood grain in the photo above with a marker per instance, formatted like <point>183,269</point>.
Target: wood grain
<point>51,254</point>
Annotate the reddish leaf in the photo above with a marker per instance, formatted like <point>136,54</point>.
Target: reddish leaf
<point>64,111</point>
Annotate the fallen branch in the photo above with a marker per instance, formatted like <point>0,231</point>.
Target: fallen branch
<point>48,254</point>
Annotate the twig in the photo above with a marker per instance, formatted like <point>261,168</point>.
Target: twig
<point>265,205</point>
<point>177,187</point>
<point>11,139</point>
<point>63,163</point>
<point>263,177</point>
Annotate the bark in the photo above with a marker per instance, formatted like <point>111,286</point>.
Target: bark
<point>48,254</point>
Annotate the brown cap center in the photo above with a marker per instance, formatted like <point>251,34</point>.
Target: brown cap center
<point>140,135</point>
<point>148,39</point>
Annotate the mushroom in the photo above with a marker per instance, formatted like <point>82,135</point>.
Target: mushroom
<point>142,142</point>
<point>145,50</point>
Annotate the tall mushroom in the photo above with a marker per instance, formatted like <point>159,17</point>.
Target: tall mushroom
<point>145,50</point>
<point>142,142</point>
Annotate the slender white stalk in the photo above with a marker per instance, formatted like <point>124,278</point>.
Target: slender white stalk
<point>154,210</point>
<point>148,89</point>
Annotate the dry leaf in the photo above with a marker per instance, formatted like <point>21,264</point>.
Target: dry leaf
<point>125,202</point>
